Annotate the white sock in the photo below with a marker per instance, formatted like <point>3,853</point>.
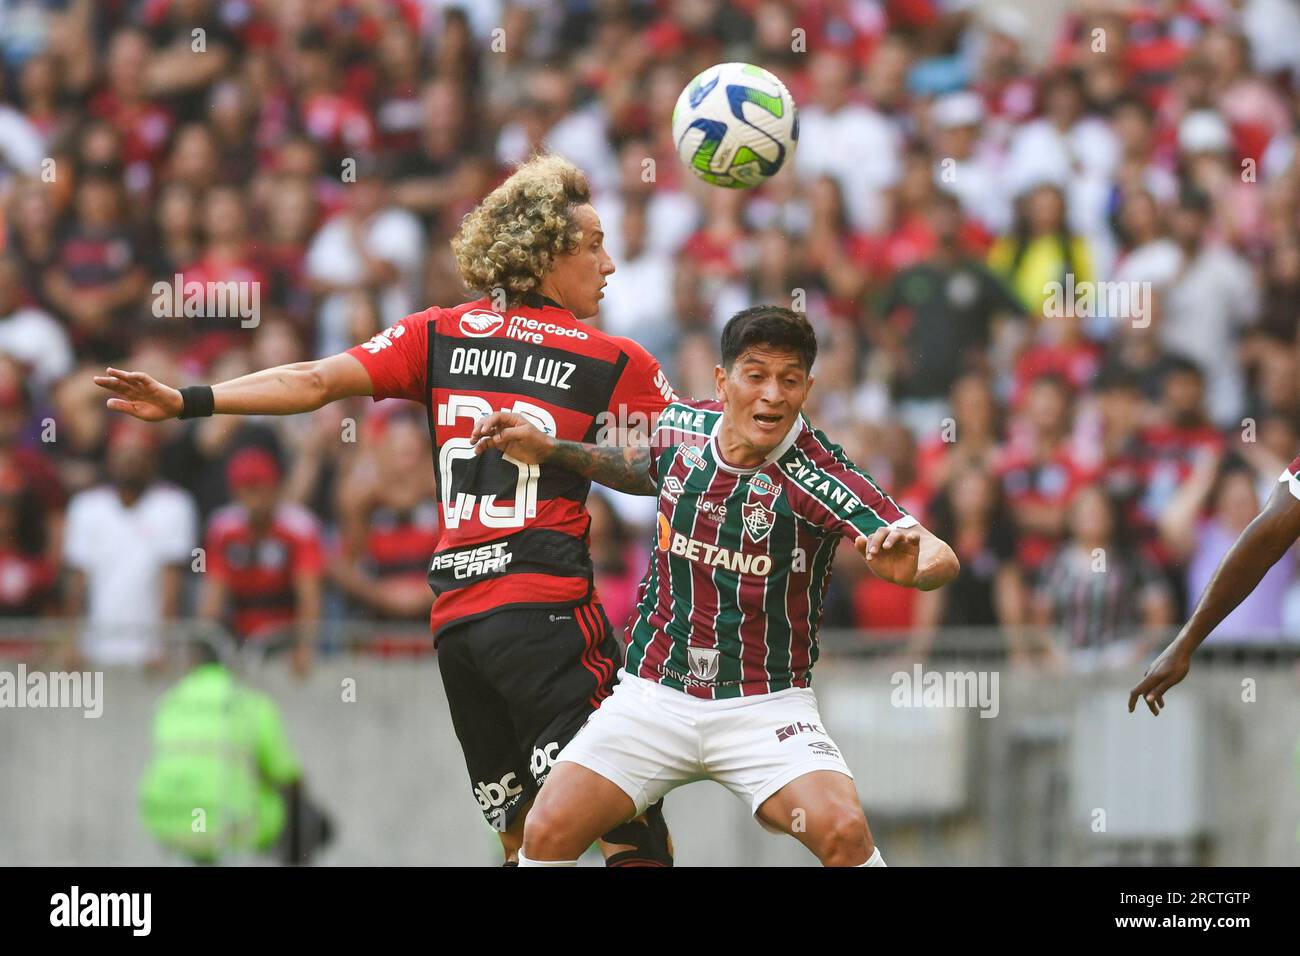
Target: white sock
<point>874,860</point>
<point>524,861</point>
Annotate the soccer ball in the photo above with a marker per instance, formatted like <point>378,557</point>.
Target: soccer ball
<point>735,125</point>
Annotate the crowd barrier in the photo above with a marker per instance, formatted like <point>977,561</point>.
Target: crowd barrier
<point>963,758</point>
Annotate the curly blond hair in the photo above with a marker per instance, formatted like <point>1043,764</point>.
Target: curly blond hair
<point>511,239</point>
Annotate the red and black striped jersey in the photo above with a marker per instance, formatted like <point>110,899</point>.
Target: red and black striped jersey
<point>399,541</point>
<point>259,568</point>
<point>732,600</point>
<point>512,534</point>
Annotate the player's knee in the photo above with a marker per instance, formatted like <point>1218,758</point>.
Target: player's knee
<point>845,840</point>
<point>548,835</point>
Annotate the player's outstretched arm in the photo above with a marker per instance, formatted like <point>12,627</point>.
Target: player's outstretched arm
<point>912,557</point>
<point>283,390</point>
<point>1258,548</point>
<point>623,469</point>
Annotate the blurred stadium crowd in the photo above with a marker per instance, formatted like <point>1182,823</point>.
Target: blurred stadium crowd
<point>949,170</point>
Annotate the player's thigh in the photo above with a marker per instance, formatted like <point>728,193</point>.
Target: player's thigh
<point>819,808</point>
<point>499,775</point>
<point>557,669</point>
<point>553,667</point>
<point>574,809</point>
<point>642,739</point>
<point>757,747</point>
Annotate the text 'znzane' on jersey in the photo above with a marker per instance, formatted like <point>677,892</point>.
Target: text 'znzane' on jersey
<point>732,599</point>
<point>512,534</point>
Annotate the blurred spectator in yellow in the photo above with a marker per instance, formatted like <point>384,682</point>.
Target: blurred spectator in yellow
<point>1042,251</point>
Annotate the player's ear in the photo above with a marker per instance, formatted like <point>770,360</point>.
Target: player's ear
<point>719,382</point>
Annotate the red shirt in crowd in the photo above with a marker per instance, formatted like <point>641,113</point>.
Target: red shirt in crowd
<point>398,543</point>
<point>1026,481</point>
<point>259,568</point>
<point>1076,362</point>
<point>26,583</point>
<point>879,605</point>
<point>145,128</point>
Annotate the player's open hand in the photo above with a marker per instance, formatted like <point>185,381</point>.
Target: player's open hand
<point>140,395</point>
<point>1165,671</point>
<point>892,554</point>
<point>512,434</point>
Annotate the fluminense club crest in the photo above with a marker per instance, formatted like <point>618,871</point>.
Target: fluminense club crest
<point>757,520</point>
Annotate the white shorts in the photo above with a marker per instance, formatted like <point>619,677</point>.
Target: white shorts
<point>649,739</point>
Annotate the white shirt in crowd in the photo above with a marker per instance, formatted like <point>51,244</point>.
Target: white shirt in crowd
<point>671,218</point>
<point>860,149</point>
<point>1203,314</point>
<point>1273,29</point>
<point>1158,262</point>
<point>638,302</point>
<point>392,235</point>
<point>581,137</point>
<point>37,340</point>
<point>977,184</point>
<point>123,552</point>
<point>22,147</point>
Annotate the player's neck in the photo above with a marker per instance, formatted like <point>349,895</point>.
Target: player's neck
<point>536,300</point>
<point>735,452</point>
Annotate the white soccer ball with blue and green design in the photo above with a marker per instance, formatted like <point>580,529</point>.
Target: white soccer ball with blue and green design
<point>735,125</point>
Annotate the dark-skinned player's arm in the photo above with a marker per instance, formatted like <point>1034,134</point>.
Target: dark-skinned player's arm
<point>624,469</point>
<point>1258,548</point>
<point>282,390</point>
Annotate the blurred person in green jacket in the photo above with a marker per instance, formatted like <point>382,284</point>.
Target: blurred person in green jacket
<point>224,778</point>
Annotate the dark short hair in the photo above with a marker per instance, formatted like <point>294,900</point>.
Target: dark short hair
<point>1182,365</point>
<point>1116,378</point>
<point>1195,200</point>
<point>1055,379</point>
<point>769,326</point>
<point>1129,101</point>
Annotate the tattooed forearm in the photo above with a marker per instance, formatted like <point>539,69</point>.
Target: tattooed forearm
<point>623,469</point>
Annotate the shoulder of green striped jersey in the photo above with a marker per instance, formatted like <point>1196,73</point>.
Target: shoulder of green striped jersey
<point>812,463</point>
<point>682,417</point>
<point>823,445</point>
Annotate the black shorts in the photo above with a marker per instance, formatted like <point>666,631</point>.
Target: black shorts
<point>520,683</point>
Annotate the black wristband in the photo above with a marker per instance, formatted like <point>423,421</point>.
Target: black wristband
<point>197,401</point>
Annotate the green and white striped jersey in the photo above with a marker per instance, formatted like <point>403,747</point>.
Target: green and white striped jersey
<point>732,599</point>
